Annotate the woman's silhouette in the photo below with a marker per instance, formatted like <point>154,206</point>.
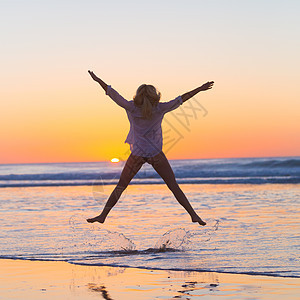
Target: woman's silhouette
<point>145,114</point>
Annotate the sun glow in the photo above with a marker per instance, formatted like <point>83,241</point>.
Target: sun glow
<point>114,160</point>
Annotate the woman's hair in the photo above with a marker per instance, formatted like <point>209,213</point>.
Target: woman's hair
<point>146,97</point>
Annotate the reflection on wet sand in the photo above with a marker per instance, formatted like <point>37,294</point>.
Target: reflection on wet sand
<point>101,289</point>
<point>22,279</point>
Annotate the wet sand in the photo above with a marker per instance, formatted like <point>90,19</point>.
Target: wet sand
<point>23,279</point>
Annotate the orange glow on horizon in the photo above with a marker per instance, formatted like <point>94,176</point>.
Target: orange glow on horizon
<point>52,111</point>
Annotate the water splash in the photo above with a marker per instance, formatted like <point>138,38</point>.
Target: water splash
<point>181,239</point>
<point>177,238</point>
<point>94,238</point>
<point>84,238</point>
<point>114,241</point>
<point>209,231</point>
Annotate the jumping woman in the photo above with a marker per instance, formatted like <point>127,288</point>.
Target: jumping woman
<point>145,114</point>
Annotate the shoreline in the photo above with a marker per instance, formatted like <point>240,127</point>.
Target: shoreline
<point>24,279</point>
<point>152,269</point>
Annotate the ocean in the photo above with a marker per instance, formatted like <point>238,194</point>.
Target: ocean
<point>251,206</point>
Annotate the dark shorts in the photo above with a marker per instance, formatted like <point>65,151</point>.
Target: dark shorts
<point>159,162</point>
<point>150,160</point>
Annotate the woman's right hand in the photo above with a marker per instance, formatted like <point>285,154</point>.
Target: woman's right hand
<point>206,86</point>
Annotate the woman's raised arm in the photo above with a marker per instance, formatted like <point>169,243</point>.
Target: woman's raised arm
<point>113,94</point>
<point>206,86</point>
<point>101,82</point>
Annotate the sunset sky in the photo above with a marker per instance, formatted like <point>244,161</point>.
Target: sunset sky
<point>51,110</point>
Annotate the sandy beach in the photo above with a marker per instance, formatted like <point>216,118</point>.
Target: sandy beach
<point>23,279</point>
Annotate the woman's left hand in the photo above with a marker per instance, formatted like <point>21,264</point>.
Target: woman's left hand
<point>93,75</point>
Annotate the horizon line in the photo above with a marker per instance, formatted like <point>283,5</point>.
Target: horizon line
<point>66,162</point>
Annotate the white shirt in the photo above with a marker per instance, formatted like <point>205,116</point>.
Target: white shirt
<point>145,136</point>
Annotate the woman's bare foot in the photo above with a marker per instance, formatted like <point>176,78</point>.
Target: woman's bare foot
<point>99,219</point>
<point>199,220</point>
